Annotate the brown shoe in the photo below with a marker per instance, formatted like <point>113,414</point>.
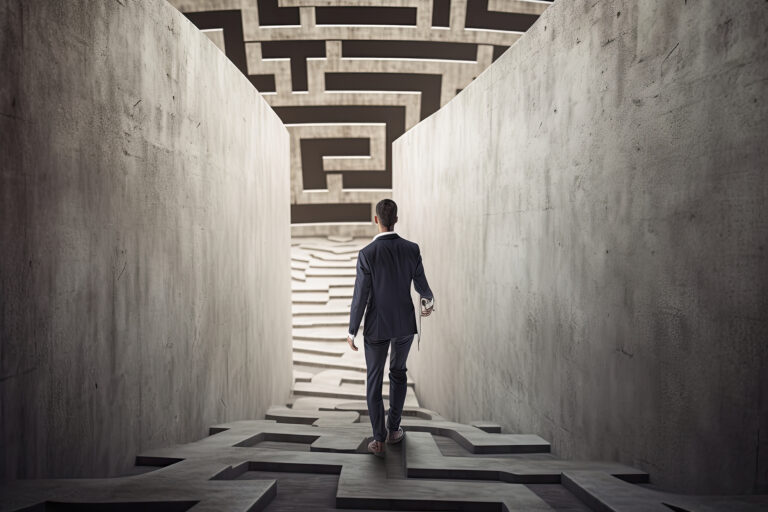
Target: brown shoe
<point>376,448</point>
<point>395,436</point>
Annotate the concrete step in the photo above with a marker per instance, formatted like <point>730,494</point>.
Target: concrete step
<point>331,281</point>
<point>339,238</point>
<point>283,414</point>
<point>310,298</point>
<point>325,256</point>
<point>313,335</point>
<point>321,322</point>
<point>330,272</point>
<point>341,392</point>
<point>351,264</point>
<point>320,348</point>
<point>304,311</point>
<point>339,363</point>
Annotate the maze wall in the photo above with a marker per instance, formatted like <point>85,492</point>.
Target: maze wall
<point>349,77</point>
<point>606,269</point>
<point>143,235</point>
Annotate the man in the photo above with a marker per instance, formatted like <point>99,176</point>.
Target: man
<point>385,268</point>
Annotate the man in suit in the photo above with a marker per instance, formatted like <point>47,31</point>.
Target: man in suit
<point>385,268</point>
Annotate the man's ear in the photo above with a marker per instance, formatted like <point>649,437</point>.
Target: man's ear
<point>376,219</point>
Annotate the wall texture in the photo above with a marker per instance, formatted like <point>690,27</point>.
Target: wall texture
<point>591,215</point>
<point>144,237</point>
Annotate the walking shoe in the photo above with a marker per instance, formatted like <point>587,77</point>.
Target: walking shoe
<point>376,448</point>
<point>395,436</point>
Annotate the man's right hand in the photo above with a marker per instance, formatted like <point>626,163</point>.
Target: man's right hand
<point>426,311</point>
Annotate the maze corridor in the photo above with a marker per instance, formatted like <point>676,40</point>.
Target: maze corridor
<point>186,186</point>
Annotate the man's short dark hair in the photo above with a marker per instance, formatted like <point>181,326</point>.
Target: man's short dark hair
<point>386,209</point>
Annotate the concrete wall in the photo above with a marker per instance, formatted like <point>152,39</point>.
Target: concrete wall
<point>144,237</point>
<point>591,214</point>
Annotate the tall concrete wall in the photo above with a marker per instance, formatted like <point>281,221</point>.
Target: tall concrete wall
<point>591,215</point>
<point>144,237</point>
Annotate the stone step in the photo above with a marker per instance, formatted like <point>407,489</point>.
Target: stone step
<point>312,335</point>
<point>337,378</point>
<point>349,393</point>
<point>361,408</point>
<point>325,333</point>
<point>283,414</point>
<point>330,286</point>
<point>300,376</point>
<point>322,256</point>
<point>355,491</point>
<point>312,298</point>
<point>339,238</point>
<point>351,264</point>
<point>304,311</point>
<point>331,281</point>
<point>321,322</point>
<point>328,362</point>
<point>601,491</point>
<point>487,426</point>
<point>298,288</point>
<point>330,272</point>
<point>324,349</point>
<point>338,251</point>
<point>321,403</point>
<point>475,440</point>
<point>341,292</point>
<point>424,460</point>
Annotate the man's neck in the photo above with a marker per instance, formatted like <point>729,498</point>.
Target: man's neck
<point>384,232</point>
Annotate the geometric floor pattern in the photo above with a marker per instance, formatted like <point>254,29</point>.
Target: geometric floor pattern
<point>310,454</point>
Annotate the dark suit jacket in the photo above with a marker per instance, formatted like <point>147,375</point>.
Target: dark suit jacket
<point>385,268</point>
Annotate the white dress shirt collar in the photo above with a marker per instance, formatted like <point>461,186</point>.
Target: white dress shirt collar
<point>384,233</point>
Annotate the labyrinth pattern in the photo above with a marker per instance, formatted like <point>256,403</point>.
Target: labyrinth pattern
<point>310,453</point>
<point>348,77</point>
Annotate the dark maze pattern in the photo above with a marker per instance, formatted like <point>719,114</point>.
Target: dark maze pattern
<point>348,67</point>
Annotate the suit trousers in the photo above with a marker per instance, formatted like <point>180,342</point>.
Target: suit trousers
<point>375,357</point>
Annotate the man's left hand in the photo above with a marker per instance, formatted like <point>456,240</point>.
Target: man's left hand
<point>352,343</point>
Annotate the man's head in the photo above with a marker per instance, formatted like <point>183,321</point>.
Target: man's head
<point>386,214</point>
